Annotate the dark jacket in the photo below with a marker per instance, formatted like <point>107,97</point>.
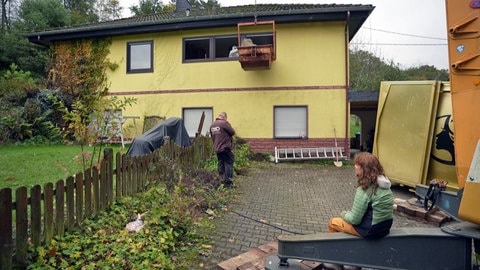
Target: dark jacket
<point>221,132</point>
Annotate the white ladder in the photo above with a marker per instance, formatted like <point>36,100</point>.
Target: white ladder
<point>309,153</point>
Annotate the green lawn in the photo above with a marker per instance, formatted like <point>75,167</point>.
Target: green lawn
<point>29,165</point>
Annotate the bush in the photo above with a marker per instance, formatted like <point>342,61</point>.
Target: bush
<point>28,111</point>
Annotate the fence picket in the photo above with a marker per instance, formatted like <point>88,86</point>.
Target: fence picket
<point>108,155</point>
<point>79,190</point>
<point>36,214</point>
<point>60,208</point>
<point>21,222</point>
<point>118,175</point>
<point>96,190</point>
<point>6,242</point>
<point>48,210</point>
<point>88,192</point>
<point>70,190</point>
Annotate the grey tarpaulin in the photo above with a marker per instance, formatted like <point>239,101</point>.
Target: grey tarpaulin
<point>154,138</point>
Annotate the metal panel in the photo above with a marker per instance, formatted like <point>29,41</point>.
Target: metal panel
<point>404,129</point>
<point>408,248</point>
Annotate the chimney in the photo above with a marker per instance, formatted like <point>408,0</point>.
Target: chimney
<point>182,6</point>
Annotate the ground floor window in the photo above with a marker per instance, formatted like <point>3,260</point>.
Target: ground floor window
<point>192,117</point>
<point>290,121</point>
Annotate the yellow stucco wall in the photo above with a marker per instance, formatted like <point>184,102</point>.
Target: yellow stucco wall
<point>310,61</point>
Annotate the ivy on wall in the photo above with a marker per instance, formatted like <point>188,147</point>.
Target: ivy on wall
<point>78,68</point>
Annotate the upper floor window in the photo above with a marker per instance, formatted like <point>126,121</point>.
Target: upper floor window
<point>140,57</point>
<point>213,48</point>
<point>290,121</point>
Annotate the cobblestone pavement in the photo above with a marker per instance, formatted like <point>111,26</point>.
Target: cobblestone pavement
<point>287,198</point>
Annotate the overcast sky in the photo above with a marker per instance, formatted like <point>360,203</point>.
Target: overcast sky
<point>408,32</point>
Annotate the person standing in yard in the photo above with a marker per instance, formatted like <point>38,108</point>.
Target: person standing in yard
<point>222,137</point>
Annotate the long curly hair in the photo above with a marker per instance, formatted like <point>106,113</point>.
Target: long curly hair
<point>370,169</point>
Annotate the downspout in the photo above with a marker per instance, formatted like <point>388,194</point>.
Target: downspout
<point>347,86</point>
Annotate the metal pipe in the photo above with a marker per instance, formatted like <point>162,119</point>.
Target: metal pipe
<point>347,114</point>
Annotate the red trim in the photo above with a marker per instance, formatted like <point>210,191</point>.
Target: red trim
<point>212,90</point>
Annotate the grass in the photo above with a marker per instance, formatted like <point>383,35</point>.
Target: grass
<point>27,165</point>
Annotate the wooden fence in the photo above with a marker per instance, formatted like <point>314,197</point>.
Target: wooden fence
<point>56,207</point>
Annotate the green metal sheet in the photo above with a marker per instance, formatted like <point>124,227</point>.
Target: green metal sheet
<point>404,129</point>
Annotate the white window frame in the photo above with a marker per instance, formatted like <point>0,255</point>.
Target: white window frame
<point>140,57</point>
<point>191,119</point>
<point>290,122</point>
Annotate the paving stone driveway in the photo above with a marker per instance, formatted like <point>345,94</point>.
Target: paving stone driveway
<point>287,198</point>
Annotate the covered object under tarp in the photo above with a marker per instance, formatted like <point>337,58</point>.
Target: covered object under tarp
<point>154,138</point>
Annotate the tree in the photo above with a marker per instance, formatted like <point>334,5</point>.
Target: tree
<point>426,72</point>
<point>81,11</point>
<point>108,10</point>
<point>15,49</point>
<point>147,7</point>
<point>201,4</point>
<point>39,15</point>
<point>367,71</point>
<point>5,19</point>
<point>33,15</point>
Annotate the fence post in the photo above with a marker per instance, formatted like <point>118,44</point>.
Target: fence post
<point>6,242</point>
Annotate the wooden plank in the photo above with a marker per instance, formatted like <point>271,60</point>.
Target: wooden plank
<point>70,189</point>
<point>6,242</point>
<point>48,210</point>
<point>79,197</point>
<point>60,208</point>
<point>124,175</point>
<point>108,156</point>
<point>135,176</point>
<point>103,187</point>
<point>36,215</point>
<point>96,191</point>
<point>21,223</point>
<point>88,192</point>
<point>118,175</point>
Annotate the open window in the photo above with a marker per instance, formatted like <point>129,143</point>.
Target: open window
<point>256,51</point>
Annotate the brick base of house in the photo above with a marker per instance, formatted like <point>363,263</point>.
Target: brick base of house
<point>268,145</point>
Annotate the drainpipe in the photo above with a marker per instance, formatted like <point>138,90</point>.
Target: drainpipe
<point>347,86</point>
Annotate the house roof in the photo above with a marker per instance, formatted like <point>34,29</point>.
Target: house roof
<point>215,18</point>
<point>363,96</point>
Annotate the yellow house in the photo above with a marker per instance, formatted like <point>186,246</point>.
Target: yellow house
<point>185,63</point>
